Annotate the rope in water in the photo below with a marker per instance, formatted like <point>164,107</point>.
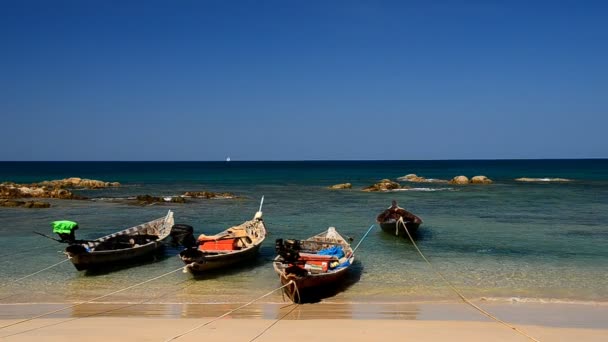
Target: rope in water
<point>104,311</point>
<point>91,300</point>
<point>228,313</point>
<point>364,236</point>
<point>29,275</point>
<point>458,292</point>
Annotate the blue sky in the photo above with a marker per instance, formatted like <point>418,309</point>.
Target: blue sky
<point>301,80</point>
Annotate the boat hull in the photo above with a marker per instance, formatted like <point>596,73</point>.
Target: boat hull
<point>123,247</point>
<point>311,287</point>
<point>94,260</point>
<point>397,229</point>
<point>204,263</point>
<point>199,261</point>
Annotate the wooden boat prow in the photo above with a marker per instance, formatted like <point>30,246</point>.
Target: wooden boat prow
<point>126,245</point>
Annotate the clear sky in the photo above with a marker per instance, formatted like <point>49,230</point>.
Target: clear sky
<point>301,80</point>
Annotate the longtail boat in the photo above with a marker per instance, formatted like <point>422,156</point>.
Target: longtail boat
<point>126,245</point>
<point>319,262</point>
<point>232,246</point>
<point>390,221</point>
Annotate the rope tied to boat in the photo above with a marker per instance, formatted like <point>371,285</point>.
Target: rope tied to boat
<point>91,300</point>
<point>229,312</point>
<point>464,299</point>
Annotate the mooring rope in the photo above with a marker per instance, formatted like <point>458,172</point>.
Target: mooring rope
<point>364,236</point>
<point>29,275</point>
<point>91,300</point>
<point>227,313</point>
<point>458,292</point>
<point>275,322</point>
<point>102,312</point>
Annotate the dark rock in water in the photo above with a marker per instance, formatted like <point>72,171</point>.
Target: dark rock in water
<point>10,203</point>
<point>147,199</point>
<point>28,204</point>
<point>383,185</point>
<point>209,195</point>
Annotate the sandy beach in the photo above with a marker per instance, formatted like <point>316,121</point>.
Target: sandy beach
<point>312,322</point>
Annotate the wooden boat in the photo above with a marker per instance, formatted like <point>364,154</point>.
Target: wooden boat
<point>126,245</point>
<point>389,221</point>
<point>232,246</point>
<point>319,262</point>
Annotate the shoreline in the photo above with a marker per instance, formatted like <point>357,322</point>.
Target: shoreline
<point>576,316</point>
<point>309,322</point>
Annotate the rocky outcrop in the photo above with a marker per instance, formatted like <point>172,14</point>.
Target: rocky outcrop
<point>543,180</point>
<point>12,190</point>
<point>341,186</point>
<point>383,185</point>
<point>417,179</point>
<point>481,180</point>
<point>209,195</point>
<point>78,183</point>
<point>147,199</point>
<point>24,204</point>
<point>459,180</point>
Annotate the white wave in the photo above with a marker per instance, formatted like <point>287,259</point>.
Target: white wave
<point>424,189</point>
<point>543,179</point>
<point>541,300</point>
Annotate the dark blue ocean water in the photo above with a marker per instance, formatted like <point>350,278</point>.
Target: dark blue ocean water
<point>509,240</point>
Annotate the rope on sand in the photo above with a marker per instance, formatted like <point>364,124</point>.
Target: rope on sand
<point>227,313</point>
<point>91,300</point>
<point>275,322</point>
<point>464,299</point>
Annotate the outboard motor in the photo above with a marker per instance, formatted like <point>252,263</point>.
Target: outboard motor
<point>182,234</point>
<point>288,249</point>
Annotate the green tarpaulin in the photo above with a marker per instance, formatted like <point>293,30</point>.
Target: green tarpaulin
<point>64,226</point>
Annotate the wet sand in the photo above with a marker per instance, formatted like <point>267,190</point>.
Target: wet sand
<point>309,322</point>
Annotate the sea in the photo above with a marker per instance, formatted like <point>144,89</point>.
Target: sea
<point>510,241</point>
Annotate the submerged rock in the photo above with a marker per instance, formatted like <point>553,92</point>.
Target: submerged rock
<point>147,199</point>
<point>417,179</point>
<point>25,204</point>
<point>341,186</point>
<point>481,180</point>
<point>383,185</point>
<point>209,195</point>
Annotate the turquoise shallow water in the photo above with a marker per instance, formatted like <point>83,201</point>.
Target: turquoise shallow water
<point>507,241</point>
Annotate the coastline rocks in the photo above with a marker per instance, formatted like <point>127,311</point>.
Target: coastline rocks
<point>209,195</point>
<point>78,183</point>
<point>481,180</point>
<point>460,180</point>
<point>542,180</point>
<point>417,179</point>
<point>341,186</point>
<point>28,204</point>
<point>11,190</point>
<point>383,185</point>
